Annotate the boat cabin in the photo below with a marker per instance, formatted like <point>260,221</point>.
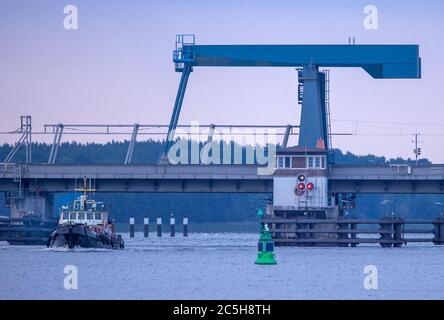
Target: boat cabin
<point>84,211</point>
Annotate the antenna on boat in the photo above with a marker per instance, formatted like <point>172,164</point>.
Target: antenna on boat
<point>85,188</point>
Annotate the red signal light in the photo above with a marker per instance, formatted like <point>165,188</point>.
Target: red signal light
<point>301,186</point>
<point>310,186</point>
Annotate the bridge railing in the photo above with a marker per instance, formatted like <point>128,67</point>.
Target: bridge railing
<point>357,171</point>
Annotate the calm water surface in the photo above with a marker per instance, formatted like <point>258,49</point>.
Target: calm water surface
<point>220,266</point>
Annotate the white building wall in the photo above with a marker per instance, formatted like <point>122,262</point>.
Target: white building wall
<point>284,192</point>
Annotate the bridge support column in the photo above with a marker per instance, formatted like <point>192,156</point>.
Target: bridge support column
<point>176,111</point>
<point>56,144</point>
<point>130,151</point>
<point>26,203</point>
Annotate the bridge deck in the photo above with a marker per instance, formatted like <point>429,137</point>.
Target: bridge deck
<point>216,178</point>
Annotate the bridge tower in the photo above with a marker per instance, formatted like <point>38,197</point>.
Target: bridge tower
<point>379,61</point>
<point>301,186</point>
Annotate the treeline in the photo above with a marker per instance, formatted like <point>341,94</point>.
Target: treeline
<point>210,207</point>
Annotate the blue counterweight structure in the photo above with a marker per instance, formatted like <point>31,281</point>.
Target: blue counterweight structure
<point>379,61</point>
<point>311,95</point>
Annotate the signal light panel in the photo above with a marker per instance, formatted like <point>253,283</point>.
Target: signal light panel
<point>301,186</point>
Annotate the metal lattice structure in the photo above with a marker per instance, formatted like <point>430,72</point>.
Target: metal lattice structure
<point>25,140</point>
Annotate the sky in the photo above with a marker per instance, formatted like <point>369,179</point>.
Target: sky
<point>117,67</point>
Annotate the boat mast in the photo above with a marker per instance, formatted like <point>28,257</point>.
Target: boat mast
<point>85,188</point>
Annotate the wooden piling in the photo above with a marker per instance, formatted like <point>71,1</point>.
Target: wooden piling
<point>438,231</point>
<point>398,227</point>
<point>385,231</point>
<point>159,227</point>
<point>146,227</point>
<point>318,232</point>
<point>172,227</point>
<point>131,222</point>
<point>341,234</point>
<point>185,227</point>
<point>353,234</point>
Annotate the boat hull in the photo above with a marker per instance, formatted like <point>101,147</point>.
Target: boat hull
<point>73,236</point>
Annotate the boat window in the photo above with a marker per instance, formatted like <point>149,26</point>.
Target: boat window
<point>65,216</point>
<point>81,216</point>
<point>287,162</point>
<point>97,216</point>
<point>89,216</point>
<point>76,205</point>
<point>72,216</point>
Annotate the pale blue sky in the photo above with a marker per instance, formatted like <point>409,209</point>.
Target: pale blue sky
<point>117,68</point>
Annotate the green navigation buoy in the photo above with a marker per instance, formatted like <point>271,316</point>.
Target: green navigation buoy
<point>265,254</point>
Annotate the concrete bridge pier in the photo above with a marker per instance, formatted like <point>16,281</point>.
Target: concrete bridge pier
<point>25,203</point>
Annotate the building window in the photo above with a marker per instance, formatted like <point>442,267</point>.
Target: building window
<point>323,162</point>
<point>298,162</point>
<point>280,162</point>
<point>97,216</point>
<point>287,162</point>
<point>318,162</point>
<point>310,162</point>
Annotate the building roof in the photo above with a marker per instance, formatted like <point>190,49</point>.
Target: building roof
<point>301,150</point>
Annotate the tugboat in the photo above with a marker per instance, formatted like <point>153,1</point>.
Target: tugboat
<point>85,224</point>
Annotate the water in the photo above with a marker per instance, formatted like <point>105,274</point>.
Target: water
<point>220,266</point>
